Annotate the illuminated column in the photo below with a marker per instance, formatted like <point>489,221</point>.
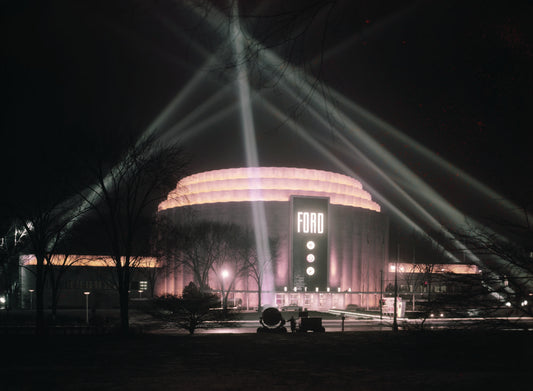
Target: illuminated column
<point>310,247</point>
<point>87,293</point>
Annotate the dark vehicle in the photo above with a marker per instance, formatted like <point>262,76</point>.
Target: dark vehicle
<point>311,324</point>
<point>291,307</point>
<point>272,321</point>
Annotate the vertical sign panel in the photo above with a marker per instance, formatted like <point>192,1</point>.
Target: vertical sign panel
<point>309,230</point>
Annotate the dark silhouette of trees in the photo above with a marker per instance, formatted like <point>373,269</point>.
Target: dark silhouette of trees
<point>497,286</point>
<point>200,247</point>
<point>56,269</point>
<point>253,265</point>
<point>224,251</point>
<point>12,243</point>
<point>230,266</point>
<point>150,269</point>
<point>124,194</point>
<point>189,311</point>
<point>46,220</point>
<point>504,253</point>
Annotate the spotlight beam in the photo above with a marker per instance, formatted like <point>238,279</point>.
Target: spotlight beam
<point>252,158</point>
<point>317,145</point>
<point>419,149</point>
<point>373,147</point>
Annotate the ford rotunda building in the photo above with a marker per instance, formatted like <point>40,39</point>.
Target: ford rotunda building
<point>332,239</point>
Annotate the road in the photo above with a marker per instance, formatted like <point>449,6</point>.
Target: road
<point>331,325</point>
<point>385,324</point>
<point>335,325</point>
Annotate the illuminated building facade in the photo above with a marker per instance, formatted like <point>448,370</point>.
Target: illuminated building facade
<point>332,237</point>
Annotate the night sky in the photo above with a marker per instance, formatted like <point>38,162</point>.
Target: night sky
<point>455,77</point>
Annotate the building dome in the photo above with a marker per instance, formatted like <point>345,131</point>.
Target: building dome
<point>292,206</point>
<point>268,184</point>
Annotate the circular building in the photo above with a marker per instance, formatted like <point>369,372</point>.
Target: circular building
<point>321,242</point>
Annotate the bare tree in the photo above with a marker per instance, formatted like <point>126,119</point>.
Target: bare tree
<point>198,247</point>
<point>124,196</point>
<point>230,266</point>
<point>256,268</point>
<point>415,276</point>
<point>12,243</point>
<point>189,312</point>
<point>46,221</point>
<point>57,266</point>
<point>504,253</point>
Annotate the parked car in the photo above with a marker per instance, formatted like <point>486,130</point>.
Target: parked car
<point>291,307</point>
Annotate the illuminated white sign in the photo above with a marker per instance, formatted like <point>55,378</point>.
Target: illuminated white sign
<point>310,222</point>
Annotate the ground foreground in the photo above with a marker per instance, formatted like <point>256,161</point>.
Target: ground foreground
<point>438,360</point>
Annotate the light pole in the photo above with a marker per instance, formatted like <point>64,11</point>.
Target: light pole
<point>31,298</point>
<point>86,293</point>
<point>381,296</point>
<point>395,321</point>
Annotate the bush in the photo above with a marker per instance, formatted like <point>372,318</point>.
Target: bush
<point>189,311</point>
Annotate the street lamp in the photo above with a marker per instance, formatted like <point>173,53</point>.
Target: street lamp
<point>86,293</point>
<point>395,319</point>
<point>31,297</point>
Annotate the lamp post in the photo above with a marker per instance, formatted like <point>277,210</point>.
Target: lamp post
<point>395,320</point>
<point>31,297</point>
<point>381,295</point>
<point>86,293</point>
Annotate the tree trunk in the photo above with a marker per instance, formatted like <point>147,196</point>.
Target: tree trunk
<point>225,301</point>
<point>124,309</point>
<point>123,277</point>
<point>54,285</point>
<point>39,296</point>
<point>55,299</point>
<point>259,289</point>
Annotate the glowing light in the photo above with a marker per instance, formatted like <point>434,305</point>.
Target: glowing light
<point>310,271</point>
<point>375,151</point>
<point>310,258</point>
<point>268,184</point>
<point>90,261</point>
<point>310,222</point>
<point>310,245</point>
<point>225,274</point>
<point>252,158</point>
<point>435,268</point>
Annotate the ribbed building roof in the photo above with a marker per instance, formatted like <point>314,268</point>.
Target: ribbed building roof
<point>267,184</point>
